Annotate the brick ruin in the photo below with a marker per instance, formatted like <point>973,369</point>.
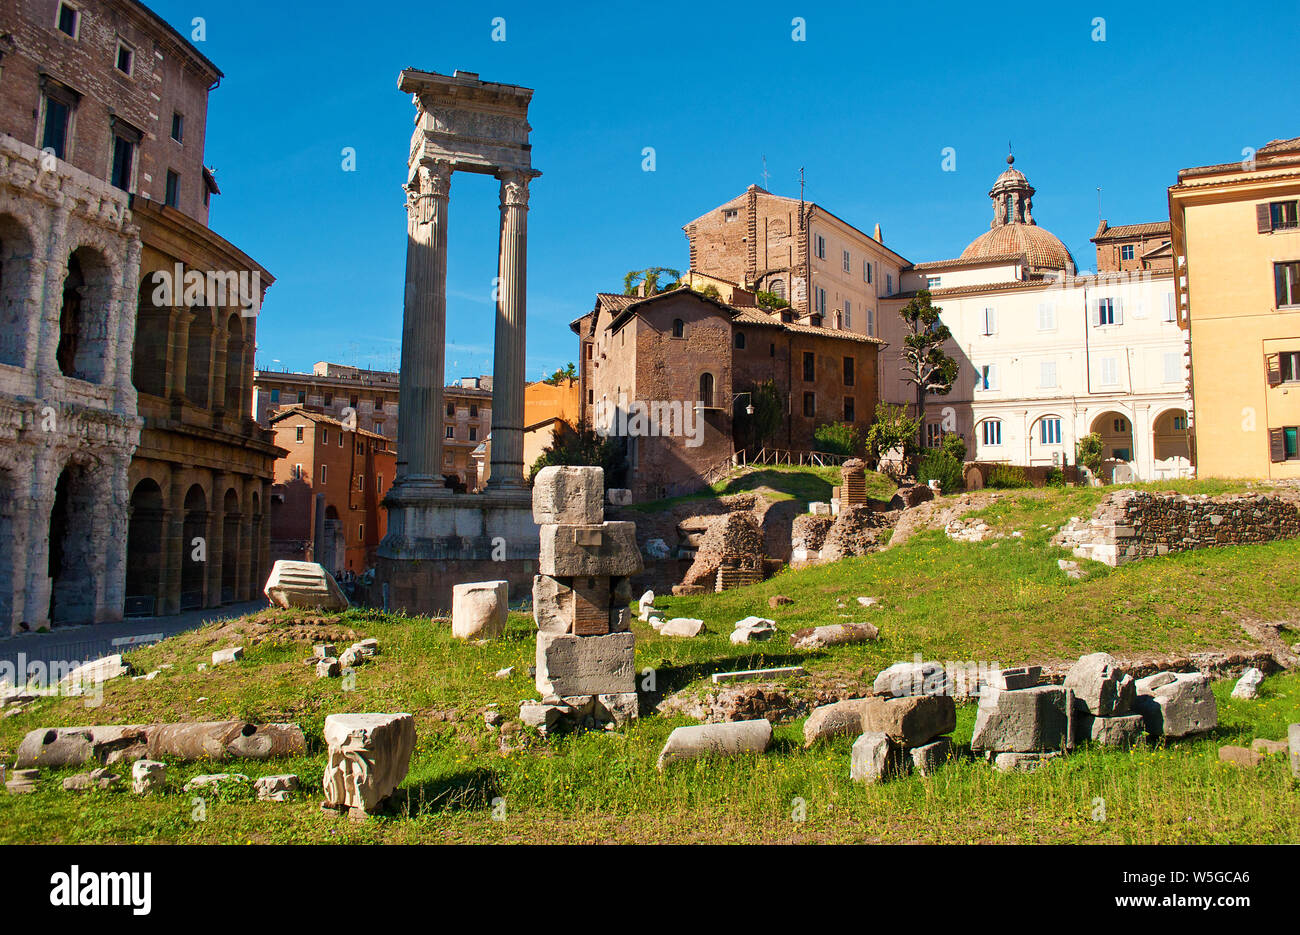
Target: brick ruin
<point>1129,525</point>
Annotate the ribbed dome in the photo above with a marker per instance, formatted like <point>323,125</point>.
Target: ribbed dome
<point>1042,247</point>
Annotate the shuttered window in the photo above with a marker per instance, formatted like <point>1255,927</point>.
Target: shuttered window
<point>1276,445</point>
<point>1274,366</point>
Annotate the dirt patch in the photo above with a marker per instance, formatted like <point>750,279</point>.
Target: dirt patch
<point>276,628</point>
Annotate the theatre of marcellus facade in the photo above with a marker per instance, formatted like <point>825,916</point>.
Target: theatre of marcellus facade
<point>133,479</point>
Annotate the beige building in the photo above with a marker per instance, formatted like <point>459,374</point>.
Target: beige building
<point>1236,243</point>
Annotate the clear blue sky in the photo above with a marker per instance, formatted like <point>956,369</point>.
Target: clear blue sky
<point>866,105</point>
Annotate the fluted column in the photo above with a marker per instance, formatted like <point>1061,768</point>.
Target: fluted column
<point>424,329</point>
<point>510,342</point>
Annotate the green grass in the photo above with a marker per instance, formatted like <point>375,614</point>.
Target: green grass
<point>1002,600</point>
<point>803,483</point>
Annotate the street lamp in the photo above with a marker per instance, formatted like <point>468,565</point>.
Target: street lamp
<point>749,408</point>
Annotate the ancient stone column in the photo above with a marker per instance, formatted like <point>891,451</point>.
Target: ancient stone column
<point>424,328</point>
<point>508,363</point>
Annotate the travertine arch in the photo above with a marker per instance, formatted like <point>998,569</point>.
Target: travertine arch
<point>17,270</point>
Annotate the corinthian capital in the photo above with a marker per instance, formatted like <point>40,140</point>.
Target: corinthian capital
<point>514,187</point>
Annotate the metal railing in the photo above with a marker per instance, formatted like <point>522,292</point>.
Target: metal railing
<point>785,456</point>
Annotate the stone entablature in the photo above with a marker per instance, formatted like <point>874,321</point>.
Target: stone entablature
<point>1129,525</point>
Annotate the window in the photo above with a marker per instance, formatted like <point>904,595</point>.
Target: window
<point>178,127</point>
<point>275,395</point>
<point>1292,450</point>
<point>679,328</point>
<point>848,315</point>
<point>1120,425</point>
<point>821,247</point>
<point>361,482</point>
<point>1047,374</point>
<point>54,135</point>
<point>361,532</point>
<point>932,282</point>
<point>1046,317</point>
<point>848,371</point>
<point>1049,431</point>
<point>473,410</point>
<point>125,58</point>
<point>173,188</point>
<point>1171,313</point>
<point>1107,312</point>
<point>1286,282</point>
<point>69,19</point>
<point>451,409</point>
<point>361,448</point>
<point>866,271</point>
<point>778,288</point>
<point>848,409</point>
<point>987,378</point>
<point>340,439</point>
<point>1279,215</point>
<point>820,302</point>
<point>302,397</point>
<point>706,389</point>
<point>451,431</point>
<point>1180,423</point>
<point>809,366</point>
<point>1109,371</point>
<point>473,434</point>
<point>324,436</point>
<point>990,321</point>
<point>991,432</point>
<point>889,284</point>
<point>1126,252</point>
<point>379,404</point>
<point>352,401</point>
<point>933,434</point>
<point>1173,367</point>
<point>379,484</point>
<point>871,322</point>
<point>730,214</point>
<point>297,472</point>
<point>297,434</point>
<point>323,470</point>
<point>771,350</point>
<point>1289,363</point>
<point>740,340</point>
<point>848,262</point>
<point>809,405</point>
<point>125,140</point>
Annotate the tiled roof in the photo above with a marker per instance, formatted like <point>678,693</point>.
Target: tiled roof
<point>1038,282</point>
<point>831,333</point>
<point>960,262</point>
<point>1280,146</point>
<point>321,419</point>
<point>1041,247</point>
<point>1130,231</point>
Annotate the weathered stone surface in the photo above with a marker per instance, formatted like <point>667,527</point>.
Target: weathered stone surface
<point>99,778</point>
<point>93,673</point>
<point>350,658</point>
<point>478,609</point>
<point>213,781</point>
<point>1028,720</point>
<point>779,600</point>
<point>1247,687</point>
<point>542,716</point>
<point>1012,679</point>
<point>832,635</point>
<point>325,651</point>
<point>1101,688</point>
<point>367,647</point>
<point>858,530</point>
<point>231,654</point>
<point>682,626</point>
<point>929,757</point>
<point>658,549</point>
<point>570,495</point>
<point>219,740</point>
<point>743,675</point>
<point>716,740</point>
<point>876,758</point>
<point>752,630</point>
<point>22,781</point>
<point>1183,707</point>
<point>913,678</point>
<point>305,585</point>
<point>148,776</point>
<point>607,549</point>
<point>71,746</point>
<point>618,708</point>
<point>1022,762</point>
<point>1239,756</point>
<point>619,496</point>
<point>1122,731</point>
<point>1293,745</point>
<point>620,619</point>
<point>585,665</point>
<point>646,603</point>
<point>1268,747</point>
<point>328,667</point>
<point>275,788</point>
<point>910,721</point>
<point>368,757</point>
<point>841,719</point>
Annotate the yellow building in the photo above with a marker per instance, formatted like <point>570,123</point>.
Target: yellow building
<point>1236,242</point>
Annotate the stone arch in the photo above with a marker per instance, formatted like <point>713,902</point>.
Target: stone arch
<point>84,315</point>
<point>152,334</point>
<point>255,555</point>
<point>230,545</point>
<point>234,376</point>
<point>706,389</point>
<point>1169,434</point>
<point>144,548</point>
<point>72,554</point>
<point>16,251</point>
<point>198,359</point>
<point>1049,434</point>
<point>1116,430</point>
<point>7,570</point>
<point>193,559</point>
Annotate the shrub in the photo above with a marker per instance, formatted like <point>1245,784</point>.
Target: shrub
<point>839,438</point>
<point>940,465</point>
<point>953,444</point>
<point>892,429</point>
<point>1055,477</point>
<point>1088,452</point>
<point>1008,477</point>
<point>770,300</point>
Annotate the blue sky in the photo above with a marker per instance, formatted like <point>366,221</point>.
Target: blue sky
<point>866,105</point>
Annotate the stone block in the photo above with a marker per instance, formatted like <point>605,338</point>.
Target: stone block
<point>1022,762</point>
<point>305,585</point>
<point>1239,756</point>
<point>608,549</point>
<point>99,778</point>
<point>275,788</point>
<point>913,678</point>
<point>840,719</point>
<point>1013,679</point>
<point>148,776</point>
<point>1183,707</point>
<point>929,757</point>
<point>325,651</point>
<point>93,673</point>
<point>542,716</point>
<point>646,603</point>
<point>552,600</point>
<point>620,619</point>
<point>1101,688</point>
<point>213,781</point>
<point>682,626</point>
<point>1293,745</point>
<point>478,610</point>
<point>910,721</point>
<point>727,739</point>
<point>569,495</point>
<point>1122,731</point>
<point>591,605</point>
<point>619,496</point>
<point>832,635</point>
<point>223,656</point>
<point>1028,720</point>
<point>752,634</point>
<point>618,708</point>
<point>367,759</point>
<point>1247,687</point>
<point>22,781</point>
<point>1268,747</point>
<point>585,665</point>
<point>328,668</point>
<point>877,758</point>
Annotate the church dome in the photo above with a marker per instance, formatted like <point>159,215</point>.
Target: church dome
<point>1014,230</point>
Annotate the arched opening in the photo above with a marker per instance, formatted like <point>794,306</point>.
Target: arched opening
<point>706,390</point>
<point>194,548</point>
<point>255,555</point>
<point>198,357</point>
<point>777,288</point>
<point>1048,440</point>
<point>230,546</point>
<point>72,556</point>
<point>152,333</point>
<point>144,549</point>
<point>7,621</point>
<point>83,317</point>
<point>15,283</point>
<point>679,328</point>
<point>1116,431</point>
<point>235,367</point>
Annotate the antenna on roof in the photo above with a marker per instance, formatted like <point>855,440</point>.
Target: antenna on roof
<point>1099,204</point>
<point>765,175</point>
<point>801,180</point>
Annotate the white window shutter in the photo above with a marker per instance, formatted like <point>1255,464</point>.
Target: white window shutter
<point>1119,311</point>
<point>1096,312</point>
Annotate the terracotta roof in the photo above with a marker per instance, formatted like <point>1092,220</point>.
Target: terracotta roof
<point>960,262</point>
<point>1130,231</point>
<point>1280,146</point>
<point>1037,282</point>
<point>1041,247</point>
<point>321,419</point>
<point>831,333</point>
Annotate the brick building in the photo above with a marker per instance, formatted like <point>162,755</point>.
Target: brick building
<point>1134,247</point>
<point>692,363</point>
<point>124,394</point>
<point>353,469</point>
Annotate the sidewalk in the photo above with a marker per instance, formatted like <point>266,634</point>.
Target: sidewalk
<point>93,640</point>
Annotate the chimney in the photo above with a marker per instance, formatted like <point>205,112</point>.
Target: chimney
<point>877,235</point>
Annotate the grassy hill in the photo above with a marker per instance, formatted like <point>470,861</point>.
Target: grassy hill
<point>1001,600</point>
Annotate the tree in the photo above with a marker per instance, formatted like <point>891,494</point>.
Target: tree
<point>925,364</point>
<point>585,447</point>
<point>768,415</point>
<point>892,429</point>
<point>569,372</point>
<point>837,438</point>
<point>649,277</point>
<point>1088,452</point>
<point>770,300</point>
